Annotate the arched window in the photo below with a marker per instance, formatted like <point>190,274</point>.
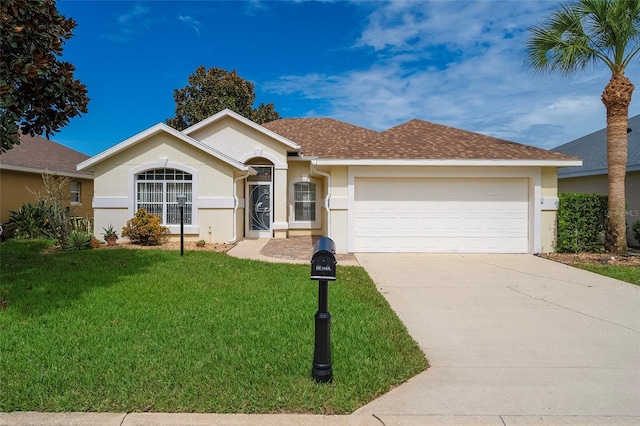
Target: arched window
<point>156,192</point>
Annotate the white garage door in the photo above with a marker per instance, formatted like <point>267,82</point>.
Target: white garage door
<point>441,215</point>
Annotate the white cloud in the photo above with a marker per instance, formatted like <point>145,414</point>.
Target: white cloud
<point>191,22</point>
<point>132,14</point>
<point>131,22</point>
<point>483,86</point>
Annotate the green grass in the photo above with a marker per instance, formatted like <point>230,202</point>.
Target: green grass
<point>630,274</point>
<point>128,330</point>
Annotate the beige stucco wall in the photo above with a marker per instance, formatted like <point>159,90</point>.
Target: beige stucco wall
<point>548,218</point>
<point>112,176</point>
<point>298,170</point>
<point>599,185</point>
<point>302,170</point>
<point>240,213</point>
<point>215,225</point>
<point>244,144</point>
<point>280,203</point>
<point>241,142</point>
<point>333,222</point>
<point>212,184</point>
<point>339,207</point>
<point>19,187</point>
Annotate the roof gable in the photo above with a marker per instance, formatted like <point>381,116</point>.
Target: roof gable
<point>150,132</point>
<point>39,155</point>
<point>228,113</point>
<point>592,148</point>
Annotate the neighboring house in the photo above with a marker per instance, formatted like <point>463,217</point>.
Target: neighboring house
<point>592,177</point>
<point>417,187</point>
<point>22,167</point>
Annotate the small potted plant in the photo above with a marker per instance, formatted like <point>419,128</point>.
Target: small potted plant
<point>110,235</point>
<point>201,243</point>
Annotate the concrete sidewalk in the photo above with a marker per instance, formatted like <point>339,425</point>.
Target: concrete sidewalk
<point>161,419</point>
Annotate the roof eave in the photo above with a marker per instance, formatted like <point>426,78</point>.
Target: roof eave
<point>160,127</point>
<point>592,172</point>
<point>446,162</point>
<point>86,175</point>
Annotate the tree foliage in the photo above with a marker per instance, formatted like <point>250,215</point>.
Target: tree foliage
<point>210,91</point>
<point>591,32</point>
<point>38,92</point>
<point>585,33</point>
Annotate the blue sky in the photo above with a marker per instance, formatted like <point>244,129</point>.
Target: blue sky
<point>374,64</point>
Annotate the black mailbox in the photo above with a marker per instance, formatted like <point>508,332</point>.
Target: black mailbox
<point>323,260</point>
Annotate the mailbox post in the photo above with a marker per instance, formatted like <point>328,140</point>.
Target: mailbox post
<point>323,270</point>
<point>182,199</point>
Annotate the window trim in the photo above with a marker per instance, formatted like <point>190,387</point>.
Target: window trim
<point>79,192</point>
<point>165,203</point>
<point>163,163</point>
<point>305,224</point>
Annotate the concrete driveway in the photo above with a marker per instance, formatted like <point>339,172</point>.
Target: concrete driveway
<point>514,336</point>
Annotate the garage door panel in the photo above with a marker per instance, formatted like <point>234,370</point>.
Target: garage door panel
<point>441,215</point>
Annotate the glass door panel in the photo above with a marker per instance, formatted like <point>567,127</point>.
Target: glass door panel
<point>259,209</point>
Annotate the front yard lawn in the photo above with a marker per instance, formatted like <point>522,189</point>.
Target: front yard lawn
<point>146,330</point>
<point>624,268</point>
<point>630,274</point>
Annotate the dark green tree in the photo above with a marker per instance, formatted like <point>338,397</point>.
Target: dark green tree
<point>210,91</point>
<point>594,32</point>
<point>38,92</point>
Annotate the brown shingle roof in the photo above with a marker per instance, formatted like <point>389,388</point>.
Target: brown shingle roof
<point>415,139</point>
<point>324,137</point>
<point>35,152</point>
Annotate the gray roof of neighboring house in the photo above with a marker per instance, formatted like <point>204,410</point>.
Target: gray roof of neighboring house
<point>592,149</point>
<point>39,155</point>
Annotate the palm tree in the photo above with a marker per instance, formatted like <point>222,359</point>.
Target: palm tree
<point>591,32</point>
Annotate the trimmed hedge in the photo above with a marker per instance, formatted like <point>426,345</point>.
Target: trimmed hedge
<point>582,221</point>
<point>636,230</point>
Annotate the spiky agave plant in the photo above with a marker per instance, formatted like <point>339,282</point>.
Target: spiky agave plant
<point>77,240</point>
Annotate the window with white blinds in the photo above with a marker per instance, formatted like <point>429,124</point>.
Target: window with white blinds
<point>157,191</point>
<point>304,201</point>
<point>304,210</point>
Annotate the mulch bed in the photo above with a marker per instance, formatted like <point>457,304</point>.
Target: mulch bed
<point>188,246</point>
<point>596,258</point>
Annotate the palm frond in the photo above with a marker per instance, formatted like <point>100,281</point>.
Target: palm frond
<point>585,33</point>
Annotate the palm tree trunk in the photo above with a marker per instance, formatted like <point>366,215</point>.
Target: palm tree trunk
<point>616,98</point>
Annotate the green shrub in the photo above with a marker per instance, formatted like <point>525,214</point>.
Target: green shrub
<point>48,217</point>
<point>55,195</point>
<point>78,240</point>
<point>145,229</point>
<point>582,220</point>
<point>636,230</point>
<point>32,221</point>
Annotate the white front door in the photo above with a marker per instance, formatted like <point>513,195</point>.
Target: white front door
<point>259,210</point>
